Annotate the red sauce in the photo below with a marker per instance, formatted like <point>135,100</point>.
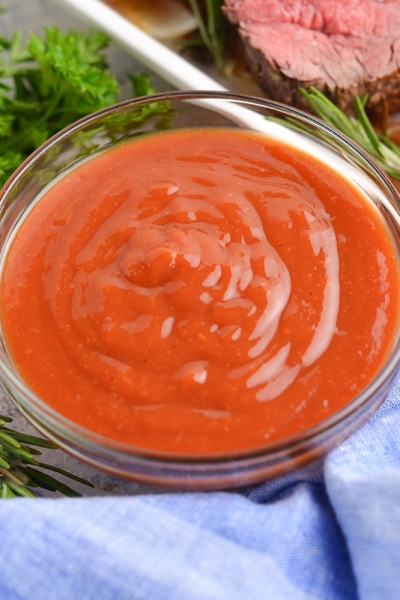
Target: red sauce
<point>200,291</point>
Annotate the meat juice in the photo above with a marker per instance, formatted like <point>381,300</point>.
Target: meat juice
<point>200,291</point>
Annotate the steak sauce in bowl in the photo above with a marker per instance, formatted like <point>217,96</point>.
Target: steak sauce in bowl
<point>199,297</point>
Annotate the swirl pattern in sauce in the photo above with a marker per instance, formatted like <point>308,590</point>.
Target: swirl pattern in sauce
<point>200,291</point>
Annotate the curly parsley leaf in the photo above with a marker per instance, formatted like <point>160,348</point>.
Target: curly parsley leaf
<point>47,84</point>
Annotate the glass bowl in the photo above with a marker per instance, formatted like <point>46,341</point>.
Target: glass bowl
<point>131,119</point>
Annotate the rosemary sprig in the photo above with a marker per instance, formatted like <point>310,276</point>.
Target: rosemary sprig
<point>358,128</point>
<point>20,470</point>
<point>211,24</point>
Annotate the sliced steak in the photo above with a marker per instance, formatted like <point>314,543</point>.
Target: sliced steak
<point>342,47</point>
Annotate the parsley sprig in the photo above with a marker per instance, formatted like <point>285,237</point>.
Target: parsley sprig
<point>46,84</point>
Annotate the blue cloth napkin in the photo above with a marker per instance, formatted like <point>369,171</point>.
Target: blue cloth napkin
<point>328,531</point>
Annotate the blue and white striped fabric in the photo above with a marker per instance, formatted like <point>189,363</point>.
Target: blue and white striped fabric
<point>330,531</point>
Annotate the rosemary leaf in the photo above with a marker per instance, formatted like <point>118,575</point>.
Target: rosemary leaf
<point>65,473</point>
<point>18,452</point>
<point>5,491</point>
<point>22,477</point>
<point>9,440</point>
<point>358,128</point>
<point>211,25</point>
<point>17,462</point>
<point>5,419</point>
<point>10,475</point>
<point>3,463</point>
<point>365,124</point>
<point>19,490</point>
<point>50,483</point>
<point>30,439</point>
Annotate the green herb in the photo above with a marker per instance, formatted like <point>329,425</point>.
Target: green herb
<point>141,84</point>
<point>358,128</point>
<point>161,108</point>
<point>20,470</point>
<point>47,84</point>
<point>212,27</point>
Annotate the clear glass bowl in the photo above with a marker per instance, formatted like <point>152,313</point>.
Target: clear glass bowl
<point>176,110</point>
